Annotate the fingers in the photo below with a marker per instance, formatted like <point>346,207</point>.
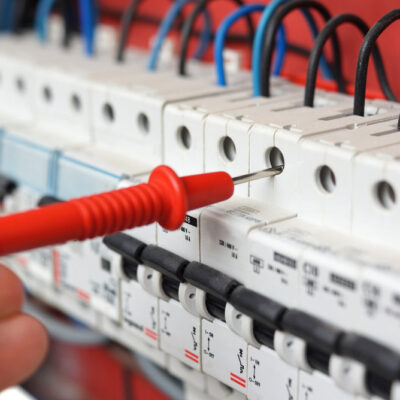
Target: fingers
<point>23,346</point>
<point>23,340</point>
<point>11,293</point>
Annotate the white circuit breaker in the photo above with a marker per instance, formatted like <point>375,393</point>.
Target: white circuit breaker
<point>318,239</point>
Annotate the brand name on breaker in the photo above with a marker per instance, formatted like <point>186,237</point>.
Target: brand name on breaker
<point>133,324</point>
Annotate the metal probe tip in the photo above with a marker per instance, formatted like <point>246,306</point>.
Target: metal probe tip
<point>265,173</point>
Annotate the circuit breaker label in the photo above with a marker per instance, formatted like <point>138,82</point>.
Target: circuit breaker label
<point>329,289</point>
<point>224,355</point>
<point>68,271</point>
<point>317,386</point>
<point>180,333</point>
<point>184,241</point>
<point>284,260</point>
<point>379,306</point>
<point>41,265</point>
<point>140,312</point>
<point>191,221</point>
<point>269,376</point>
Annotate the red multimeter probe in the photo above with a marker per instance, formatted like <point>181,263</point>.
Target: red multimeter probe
<point>164,199</point>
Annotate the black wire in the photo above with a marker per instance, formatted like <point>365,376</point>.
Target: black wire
<point>188,28</point>
<point>269,42</point>
<point>127,18</point>
<point>19,15</point>
<point>232,37</point>
<point>69,17</point>
<point>317,50</point>
<point>23,15</point>
<point>363,59</point>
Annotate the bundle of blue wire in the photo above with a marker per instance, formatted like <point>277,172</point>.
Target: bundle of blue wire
<point>88,24</point>
<point>259,38</point>
<point>88,21</point>
<point>166,26</point>
<point>220,39</point>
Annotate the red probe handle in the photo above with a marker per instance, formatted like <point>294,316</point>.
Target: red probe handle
<point>165,199</point>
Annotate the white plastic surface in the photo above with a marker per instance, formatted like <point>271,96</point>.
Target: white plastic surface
<point>269,377</point>
<point>317,386</point>
<point>140,312</point>
<point>224,355</point>
<point>350,375</point>
<point>224,229</point>
<point>185,241</point>
<point>180,333</point>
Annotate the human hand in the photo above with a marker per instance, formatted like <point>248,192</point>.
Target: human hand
<point>23,340</point>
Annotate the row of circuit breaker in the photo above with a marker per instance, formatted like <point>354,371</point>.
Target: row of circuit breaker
<point>217,330</point>
<point>306,240</point>
<point>122,121</point>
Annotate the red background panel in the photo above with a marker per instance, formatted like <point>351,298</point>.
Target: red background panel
<point>298,33</point>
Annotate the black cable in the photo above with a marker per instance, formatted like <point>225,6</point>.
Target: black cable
<point>127,18</point>
<point>24,14</point>
<point>19,15</point>
<point>317,50</point>
<point>363,59</point>
<point>270,35</point>
<point>69,17</point>
<point>188,28</point>
<point>300,50</point>
<point>231,37</point>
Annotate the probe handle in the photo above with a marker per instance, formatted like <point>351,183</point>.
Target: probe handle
<point>164,199</point>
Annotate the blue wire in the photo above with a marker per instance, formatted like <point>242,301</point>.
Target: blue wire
<point>88,24</point>
<point>166,26</point>
<point>222,31</point>
<point>43,11</point>
<point>281,50</point>
<point>205,37</point>
<point>7,10</point>
<point>259,38</point>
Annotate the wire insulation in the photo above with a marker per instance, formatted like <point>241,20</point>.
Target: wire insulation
<point>221,34</point>
<point>166,26</point>
<point>21,8</point>
<point>317,50</point>
<point>67,10</point>
<point>268,45</point>
<point>43,11</point>
<point>259,40</point>
<point>127,18</point>
<point>6,15</point>
<point>88,24</point>
<point>188,28</point>
<point>363,58</point>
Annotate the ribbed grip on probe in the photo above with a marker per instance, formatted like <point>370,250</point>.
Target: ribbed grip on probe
<point>116,211</point>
